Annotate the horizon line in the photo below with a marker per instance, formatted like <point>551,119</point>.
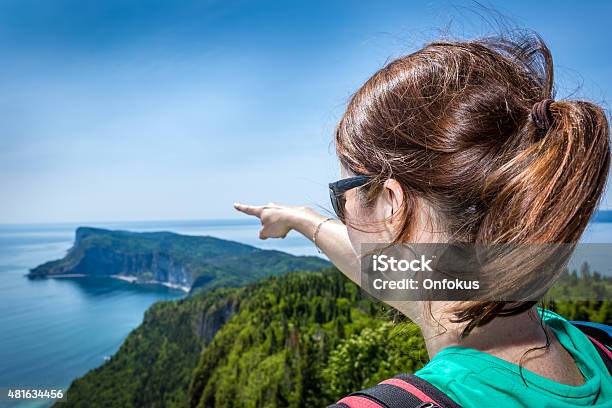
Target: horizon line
<point>173,220</point>
<point>170,220</point>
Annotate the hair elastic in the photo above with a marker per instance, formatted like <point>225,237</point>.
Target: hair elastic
<point>540,114</point>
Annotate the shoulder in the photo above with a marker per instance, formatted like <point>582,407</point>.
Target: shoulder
<point>450,373</point>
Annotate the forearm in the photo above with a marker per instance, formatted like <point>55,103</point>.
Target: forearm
<point>333,240</point>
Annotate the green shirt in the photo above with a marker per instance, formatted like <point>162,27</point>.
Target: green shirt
<point>476,379</point>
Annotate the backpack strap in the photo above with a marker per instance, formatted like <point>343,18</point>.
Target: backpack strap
<point>604,353</point>
<point>600,332</point>
<point>402,391</point>
<point>600,337</point>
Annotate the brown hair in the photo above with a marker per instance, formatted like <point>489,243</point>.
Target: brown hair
<point>462,125</point>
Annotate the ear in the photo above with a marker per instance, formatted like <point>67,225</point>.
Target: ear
<point>393,194</point>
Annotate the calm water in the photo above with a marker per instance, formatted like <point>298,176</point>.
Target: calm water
<point>54,330</point>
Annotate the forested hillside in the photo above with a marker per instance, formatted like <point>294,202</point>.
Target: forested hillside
<point>286,340</point>
<point>303,339</point>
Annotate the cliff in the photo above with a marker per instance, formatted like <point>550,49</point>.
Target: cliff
<point>173,259</point>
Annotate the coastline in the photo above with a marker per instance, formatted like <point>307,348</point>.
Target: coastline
<point>134,280</point>
<point>125,278</point>
<point>67,275</point>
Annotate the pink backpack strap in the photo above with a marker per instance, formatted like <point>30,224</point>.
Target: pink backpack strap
<point>402,391</point>
<point>600,336</point>
<point>604,353</point>
<point>601,347</point>
<point>354,401</point>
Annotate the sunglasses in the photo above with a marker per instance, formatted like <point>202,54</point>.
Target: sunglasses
<point>338,189</point>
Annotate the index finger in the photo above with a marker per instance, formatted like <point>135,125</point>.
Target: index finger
<point>249,209</point>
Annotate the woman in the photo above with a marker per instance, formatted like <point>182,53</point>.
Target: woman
<point>462,142</point>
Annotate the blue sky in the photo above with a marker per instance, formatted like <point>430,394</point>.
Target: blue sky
<point>116,110</point>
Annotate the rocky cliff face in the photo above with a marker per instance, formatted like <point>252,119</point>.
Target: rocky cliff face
<point>100,261</point>
<point>212,319</point>
<point>148,266</point>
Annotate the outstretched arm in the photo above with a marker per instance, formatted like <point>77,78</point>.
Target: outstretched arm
<point>332,238</point>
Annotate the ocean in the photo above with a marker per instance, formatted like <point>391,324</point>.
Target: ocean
<point>55,330</point>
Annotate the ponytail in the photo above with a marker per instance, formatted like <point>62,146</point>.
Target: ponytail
<point>549,191</point>
<point>547,194</point>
